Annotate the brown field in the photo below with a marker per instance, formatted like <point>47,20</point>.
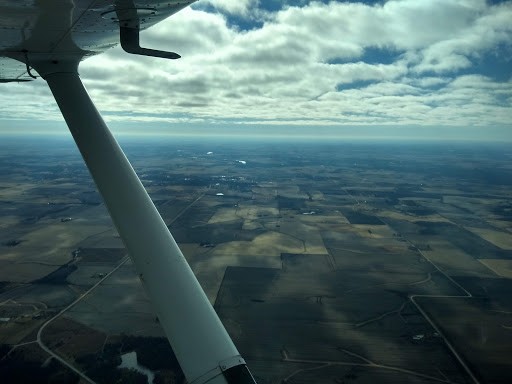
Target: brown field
<point>71,339</point>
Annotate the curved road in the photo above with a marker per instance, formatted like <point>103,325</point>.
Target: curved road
<point>367,363</point>
<point>465,294</point>
<point>81,297</point>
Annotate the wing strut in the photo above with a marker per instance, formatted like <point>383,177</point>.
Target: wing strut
<point>202,346</point>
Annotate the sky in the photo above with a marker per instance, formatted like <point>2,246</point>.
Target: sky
<point>397,68</point>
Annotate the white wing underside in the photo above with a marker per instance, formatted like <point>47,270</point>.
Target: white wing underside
<point>56,28</point>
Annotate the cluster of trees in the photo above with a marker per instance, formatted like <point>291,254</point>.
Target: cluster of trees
<point>102,367</point>
<point>14,368</point>
<point>153,353</point>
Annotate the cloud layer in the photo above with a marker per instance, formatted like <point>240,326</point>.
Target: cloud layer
<point>402,62</point>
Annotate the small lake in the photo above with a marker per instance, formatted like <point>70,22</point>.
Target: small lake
<point>129,360</point>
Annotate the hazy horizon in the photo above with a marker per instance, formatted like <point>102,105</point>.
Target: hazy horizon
<point>379,133</point>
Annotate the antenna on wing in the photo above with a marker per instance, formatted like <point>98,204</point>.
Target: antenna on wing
<point>129,17</point>
<point>27,63</point>
<point>130,42</point>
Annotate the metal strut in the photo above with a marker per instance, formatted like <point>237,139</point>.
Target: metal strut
<point>202,346</point>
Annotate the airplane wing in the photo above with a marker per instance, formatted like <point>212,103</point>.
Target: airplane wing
<point>65,28</point>
<point>50,38</point>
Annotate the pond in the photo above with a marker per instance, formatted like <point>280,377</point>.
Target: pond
<point>129,360</point>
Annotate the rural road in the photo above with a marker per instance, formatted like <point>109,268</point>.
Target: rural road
<point>81,297</point>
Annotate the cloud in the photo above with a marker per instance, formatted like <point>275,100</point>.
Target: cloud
<point>308,64</point>
<point>233,7</point>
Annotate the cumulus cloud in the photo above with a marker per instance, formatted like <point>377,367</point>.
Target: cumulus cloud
<point>338,63</point>
<point>234,7</point>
